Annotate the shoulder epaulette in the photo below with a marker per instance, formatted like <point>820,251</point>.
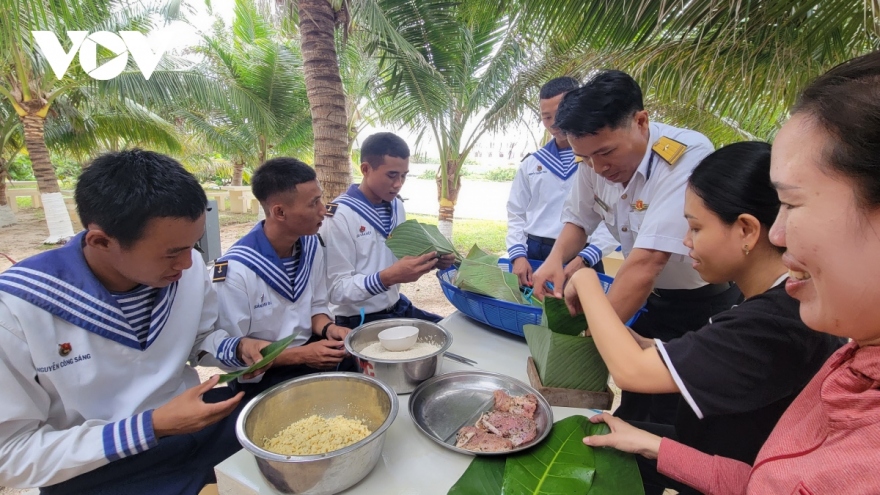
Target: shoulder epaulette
<point>331,209</point>
<point>669,149</point>
<point>524,158</point>
<point>321,240</point>
<point>220,269</point>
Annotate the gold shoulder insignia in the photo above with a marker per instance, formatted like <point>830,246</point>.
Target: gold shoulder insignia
<point>331,209</point>
<point>220,269</point>
<point>669,149</point>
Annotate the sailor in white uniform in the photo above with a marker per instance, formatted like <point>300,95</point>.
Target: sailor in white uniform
<point>540,187</point>
<point>363,274</point>
<point>272,283</point>
<point>634,180</point>
<point>96,337</point>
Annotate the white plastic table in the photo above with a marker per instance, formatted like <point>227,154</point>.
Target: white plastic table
<point>411,463</point>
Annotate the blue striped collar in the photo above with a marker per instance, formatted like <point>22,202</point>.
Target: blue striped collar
<point>355,199</point>
<point>256,252</point>
<point>560,162</point>
<point>60,282</point>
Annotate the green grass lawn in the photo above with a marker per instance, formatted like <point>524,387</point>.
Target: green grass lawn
<point>488,234</point>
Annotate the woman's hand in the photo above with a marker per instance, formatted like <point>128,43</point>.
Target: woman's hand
<point>624,437</point>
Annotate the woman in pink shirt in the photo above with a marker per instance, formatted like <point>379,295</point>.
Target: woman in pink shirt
<point>826,169</point>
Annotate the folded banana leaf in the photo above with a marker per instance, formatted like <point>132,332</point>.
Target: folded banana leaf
<point>488,280</point>
<point>270,352</point>
<point>412,238</point>
<point>477,254</point>
<point>562,464</point>
<point>557,318</point>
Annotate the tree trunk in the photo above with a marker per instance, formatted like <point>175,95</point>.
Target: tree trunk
<point>447,203</point>
<point>317,24</point>
<point>237,171</point>
<point>6,215</point>
<point>57,217</point>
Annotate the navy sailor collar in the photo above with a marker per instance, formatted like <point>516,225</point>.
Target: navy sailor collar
<point>560,162</point>
<point>60,282</point>
<point>256,252</point>
<point>355,199</point>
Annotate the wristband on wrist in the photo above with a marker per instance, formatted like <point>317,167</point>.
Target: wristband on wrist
<point>586,261</point>
<point>324,330</point>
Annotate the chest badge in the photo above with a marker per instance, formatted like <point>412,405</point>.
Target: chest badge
<point>64,349</point>
<point>362,229</point>
<point>540,168</point>
<point>639,206</point>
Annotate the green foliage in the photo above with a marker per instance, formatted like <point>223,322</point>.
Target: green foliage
<point>561,464</point>
<point>501,174</point>
<point>489,234</point>
<point>428,175</point>
<point>20,168</point>
<point>270,352</point>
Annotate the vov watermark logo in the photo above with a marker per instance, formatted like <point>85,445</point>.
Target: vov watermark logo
<point>86,44</point>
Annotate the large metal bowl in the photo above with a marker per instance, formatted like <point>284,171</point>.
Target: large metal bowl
<point>401,375</point>
<point>352,395</point>
<point>442,405</point>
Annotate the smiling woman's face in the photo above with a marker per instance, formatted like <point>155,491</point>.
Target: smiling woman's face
<point>832,244</point>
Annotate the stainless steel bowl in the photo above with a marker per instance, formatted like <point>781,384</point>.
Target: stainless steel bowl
<point>352,395</point>
<point>405,375</point>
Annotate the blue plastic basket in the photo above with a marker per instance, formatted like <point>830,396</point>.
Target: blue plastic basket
<point>502,315</point>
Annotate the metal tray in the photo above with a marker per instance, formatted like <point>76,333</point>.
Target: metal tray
<point>442,405</point>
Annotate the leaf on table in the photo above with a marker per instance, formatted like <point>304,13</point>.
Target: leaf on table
<point>412,238</point>
<point>483,477</point>
<point>559,320</point>
<point>270,352</point>
<point>560,464</point>
<point>616,471</point>
<point>488,280</point>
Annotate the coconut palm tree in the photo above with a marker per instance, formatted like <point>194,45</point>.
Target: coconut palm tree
<point>253,60</point>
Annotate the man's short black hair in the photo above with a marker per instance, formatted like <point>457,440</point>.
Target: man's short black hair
<point>383,144</point>
<point>609,99</point>
<point>558,86</point>
<point>280,175</point>
<point>121,192</point>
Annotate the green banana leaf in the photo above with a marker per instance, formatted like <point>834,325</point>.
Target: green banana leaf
<point>562,464</point>
<point>270,352</point>
<point>412,238</point>
<point>557,318</point>
<point>483,476</point>
<point>488,280</point>
<point>477,254</point>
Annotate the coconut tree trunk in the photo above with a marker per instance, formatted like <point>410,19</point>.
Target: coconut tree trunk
<point>317,25</point>
<point>237,172</point>
<point>57,216</point>
<point>6,215</point>
<point>448,201</point>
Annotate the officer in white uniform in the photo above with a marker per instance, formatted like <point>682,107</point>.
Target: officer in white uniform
<point>363,274</point>
<point>634,180</point>
<point>96,337</point>
<point>540,187</point>
<point>272,283</point>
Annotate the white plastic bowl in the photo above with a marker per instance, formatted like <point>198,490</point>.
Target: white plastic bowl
<point>399,338</point>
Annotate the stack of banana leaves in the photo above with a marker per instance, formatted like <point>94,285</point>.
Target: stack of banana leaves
<point>477,272</point>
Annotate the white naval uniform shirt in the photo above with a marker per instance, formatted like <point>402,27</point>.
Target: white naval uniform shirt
<point>540,187</point>
<point>661,226</point>
<point>356,253</point>
<point>251,307</point>
<point>75,398</point>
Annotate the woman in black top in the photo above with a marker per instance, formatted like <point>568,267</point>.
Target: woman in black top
<point>739,373</point>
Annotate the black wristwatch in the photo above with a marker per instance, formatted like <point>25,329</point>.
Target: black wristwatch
<point>586,261</point>
<point>324,330</point>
